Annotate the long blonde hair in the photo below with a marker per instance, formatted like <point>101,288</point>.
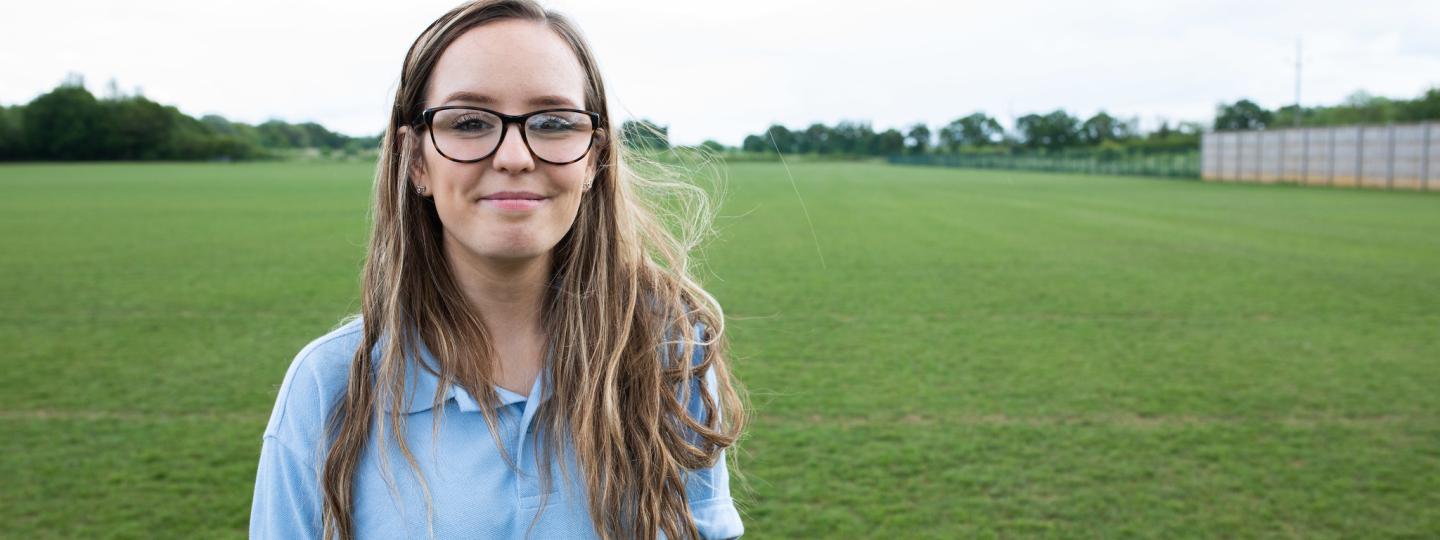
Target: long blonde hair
<point>620,287</point>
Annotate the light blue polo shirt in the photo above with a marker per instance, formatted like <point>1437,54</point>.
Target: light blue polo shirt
<point>475,494</point>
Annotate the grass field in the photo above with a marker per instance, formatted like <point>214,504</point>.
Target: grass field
<point>946,354</point>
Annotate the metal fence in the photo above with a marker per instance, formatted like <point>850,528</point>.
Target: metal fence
<point>1175,165</point>
<point>1395,156</point>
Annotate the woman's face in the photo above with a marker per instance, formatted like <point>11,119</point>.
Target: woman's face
<point>513,67</point>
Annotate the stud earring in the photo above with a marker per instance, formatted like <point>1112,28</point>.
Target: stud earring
<point>420,190</point>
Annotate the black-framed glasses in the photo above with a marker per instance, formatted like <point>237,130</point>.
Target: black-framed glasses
<point>469,134</point>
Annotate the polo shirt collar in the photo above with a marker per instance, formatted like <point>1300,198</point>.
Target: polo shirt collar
<point>421,384</point>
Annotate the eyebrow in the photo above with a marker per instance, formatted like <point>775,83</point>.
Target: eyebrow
<point>473,97</point>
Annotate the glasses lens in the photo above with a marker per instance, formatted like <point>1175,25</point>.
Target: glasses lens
<point>559,136</point>
<point>465,134</point>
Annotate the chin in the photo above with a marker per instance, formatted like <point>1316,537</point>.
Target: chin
<point>513,248</point>
<point>519,255</point>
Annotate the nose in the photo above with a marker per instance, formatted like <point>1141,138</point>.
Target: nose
<point>513,156</point>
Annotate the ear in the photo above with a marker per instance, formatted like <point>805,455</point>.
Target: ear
<point>410,143</point>
<point>592,161</point>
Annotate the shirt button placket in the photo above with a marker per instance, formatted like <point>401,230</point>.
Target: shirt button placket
<point>527,483</point>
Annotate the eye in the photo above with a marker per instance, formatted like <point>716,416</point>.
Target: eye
<point>471,123</point>
<point>551,123</point>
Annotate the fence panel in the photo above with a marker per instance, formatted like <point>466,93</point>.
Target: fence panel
<point>1430,167</point>
<point>1345,163</point>
<point>1230,147</point>
<point>1292,154</point>
<point>1392,156</point>
<point>1210,161</point>
<point>1272,147</point>
<point>1317,156</point>
<point>1408,157</point>
<point>1247,159</point>
<point>1375,166</point>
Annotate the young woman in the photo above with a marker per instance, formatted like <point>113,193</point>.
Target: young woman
<point>523,307</point>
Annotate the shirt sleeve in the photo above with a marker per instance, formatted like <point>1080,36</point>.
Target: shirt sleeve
<point>287,501</point>
<point>708,489</point>
<point>287,498</point>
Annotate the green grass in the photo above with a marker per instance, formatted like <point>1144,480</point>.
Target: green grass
<point>947,353</point>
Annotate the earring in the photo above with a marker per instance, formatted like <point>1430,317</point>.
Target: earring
<point>587,187</point>
<point>420,190</point>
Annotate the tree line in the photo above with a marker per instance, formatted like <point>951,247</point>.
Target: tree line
<point>1059,132</point>
<point>977,133</point>
<point>70,123</point>
<point>1358,108</point>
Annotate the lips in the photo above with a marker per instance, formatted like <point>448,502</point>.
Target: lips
<point>513,195</point>
<point>514,202</point>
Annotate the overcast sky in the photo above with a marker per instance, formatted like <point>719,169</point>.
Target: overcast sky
<point>722,70</point>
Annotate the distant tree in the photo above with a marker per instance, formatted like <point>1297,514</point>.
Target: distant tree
<point>917,139</point>
<point>1031,128</point>
<point>850,137</point>
<point>1425,107</point>
<point>320,137</point>
<point>1362,107</point>
<point>250,135</point>
<point>12,134</point>
<point>1182,137</point>
<point>1103,127</point>
<point>713,146</point>
<point>644,134</point>
<point>815,140</point>
<point>951,137</point>
<point>846,137</point>
<point>1292,115</point>
<point>778,137</point>
<point>136,128</point>
<point>1242,115</point>
<point>755,143</point>
<point>64,123</point>
<point>977,129</point>
<point>1163,131</point>
<point>889,142</point>
<point>1051,131</point>
<point>190,139</point>
<point>219,124</point>
<point>279,134</point>
<point>355,145</point>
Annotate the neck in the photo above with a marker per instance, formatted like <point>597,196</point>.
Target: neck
<point>507,293</point>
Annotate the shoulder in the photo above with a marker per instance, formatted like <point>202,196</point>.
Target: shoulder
<point>694,396</point>
<point>674,346</point>
<point>315,380</point>
<point>699,333</point>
